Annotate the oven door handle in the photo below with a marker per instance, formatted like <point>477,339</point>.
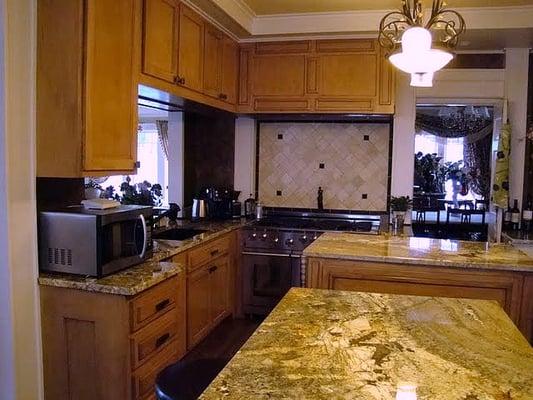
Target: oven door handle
<point>253,253</point>
<point>145,237</point>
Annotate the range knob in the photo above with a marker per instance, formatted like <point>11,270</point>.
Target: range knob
<point>264,235</point>
<point>253,236</point>
<point>303,239</point>
<point>276,240</point>
<point>315,236</point>
<point>289,242</point>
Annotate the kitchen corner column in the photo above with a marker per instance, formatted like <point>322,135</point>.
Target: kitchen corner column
<point>175,158</point>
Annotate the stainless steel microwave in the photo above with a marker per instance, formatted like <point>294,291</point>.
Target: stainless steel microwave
<point>94,242</point>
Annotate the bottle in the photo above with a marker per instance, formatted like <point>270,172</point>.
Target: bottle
<point>527,216</point>
<point>507,217</point>
<point>515,216</point>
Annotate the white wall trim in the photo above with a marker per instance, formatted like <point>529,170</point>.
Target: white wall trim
<point>21,367</point>
<point>368,21</point>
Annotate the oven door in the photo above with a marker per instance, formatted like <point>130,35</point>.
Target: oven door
<point>267,278</point>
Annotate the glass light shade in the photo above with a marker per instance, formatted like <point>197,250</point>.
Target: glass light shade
<point>422,79</point>
<point>406,392</point>
<point>417,56</point>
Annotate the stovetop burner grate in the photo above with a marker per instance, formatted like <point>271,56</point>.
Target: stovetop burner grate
<point>318,224</point>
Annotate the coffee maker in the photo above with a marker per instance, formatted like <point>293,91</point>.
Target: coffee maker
<point>219,202</point>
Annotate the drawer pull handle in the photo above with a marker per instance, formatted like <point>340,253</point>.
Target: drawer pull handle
<point>215,252</point>
<point>213,269</point>
<point>161,305</point>
<point>161,340</point>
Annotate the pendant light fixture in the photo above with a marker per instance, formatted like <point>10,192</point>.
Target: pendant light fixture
<point>419,48</point>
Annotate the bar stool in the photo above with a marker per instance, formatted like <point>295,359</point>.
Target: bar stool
<point>186,380</point>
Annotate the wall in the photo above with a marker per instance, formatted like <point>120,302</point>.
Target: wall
<point>20,333</point>
<point>349,161</point>
<point>245,145</point>
<point>209,152</point>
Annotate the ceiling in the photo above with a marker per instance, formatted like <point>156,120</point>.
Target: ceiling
<point>269,7</point>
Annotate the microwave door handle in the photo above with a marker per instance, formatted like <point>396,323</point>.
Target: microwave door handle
<point>145,237</point>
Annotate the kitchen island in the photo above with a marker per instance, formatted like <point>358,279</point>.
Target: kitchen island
<point>321,344</point>
<point>426,267</point>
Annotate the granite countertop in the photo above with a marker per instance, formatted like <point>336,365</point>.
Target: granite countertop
<point>320,344</point>
<point>423,251</point>
<point>134,280</point>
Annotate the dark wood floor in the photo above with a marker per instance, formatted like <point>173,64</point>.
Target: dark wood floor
<point>225,340</point>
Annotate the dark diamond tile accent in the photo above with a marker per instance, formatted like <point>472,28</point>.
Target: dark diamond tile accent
<point>278,193</point>
<point>280,136</point>
<point>364,196</point>
<point>321,165</point>
<point>366,138</point>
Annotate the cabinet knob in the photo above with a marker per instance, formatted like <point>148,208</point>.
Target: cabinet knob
<point>179,80</point>
<point>223,96</point>
<point>137,164</point>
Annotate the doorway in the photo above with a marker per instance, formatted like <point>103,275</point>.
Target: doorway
<point>452,178</point>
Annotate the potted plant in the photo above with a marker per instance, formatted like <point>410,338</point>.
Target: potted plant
<point>399,206</point>
<point>93,189</point>
<point>144,193</point>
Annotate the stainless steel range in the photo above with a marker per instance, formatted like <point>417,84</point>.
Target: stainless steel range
<point>272,252</point>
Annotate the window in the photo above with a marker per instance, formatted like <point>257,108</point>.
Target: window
<point>154,165</point>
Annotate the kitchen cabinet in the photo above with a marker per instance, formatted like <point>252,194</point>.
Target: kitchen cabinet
<point>190,49</point>
<point>504,287</point>
<point>213,46</point>
<point>324,76</point>
<point>106,346</point>
<point>86,88</point>
<point>160,39</point>
<point>230,70</point>
<point>209,287</point>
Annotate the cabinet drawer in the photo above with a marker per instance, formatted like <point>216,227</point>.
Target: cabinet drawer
<point>208,252</point>
<point>143,379</point>
<point>153,303</point>
<point>153,338</point>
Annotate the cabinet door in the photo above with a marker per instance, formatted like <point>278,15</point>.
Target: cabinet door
<point>110,103</point>
<point>230,70</point>
<point>190,49</point>
<point>220,289</point>
<point>160,39</point>
<point>213,45</point>
<point>526,318</point>
<point>198,306</point>
<point>278,75</point>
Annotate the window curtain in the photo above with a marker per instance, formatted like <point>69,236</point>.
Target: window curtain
<point>162,132</point>
<point>476,153</point>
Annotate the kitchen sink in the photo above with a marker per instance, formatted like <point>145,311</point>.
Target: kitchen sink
<point>178,234</point>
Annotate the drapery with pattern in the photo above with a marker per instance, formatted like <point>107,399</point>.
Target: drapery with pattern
<point>476,151</point>
<point>162,132</point>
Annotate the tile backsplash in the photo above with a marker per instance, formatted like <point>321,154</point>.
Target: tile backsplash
<point>350,161</point>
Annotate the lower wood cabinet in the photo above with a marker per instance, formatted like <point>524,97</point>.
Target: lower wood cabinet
<point>513,290</point>
<point>209,287</point>
<point>104,346</point>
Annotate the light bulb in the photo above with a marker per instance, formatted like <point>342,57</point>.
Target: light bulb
<point>406,392</point>
<point>422,79</point>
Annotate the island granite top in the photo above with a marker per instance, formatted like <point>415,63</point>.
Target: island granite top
<point>134,280</point>
<point>423,251</point>
<point>320,344</point>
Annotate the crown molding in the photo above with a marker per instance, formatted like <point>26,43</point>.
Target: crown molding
<point>368,21</point>
<point>239,11</point>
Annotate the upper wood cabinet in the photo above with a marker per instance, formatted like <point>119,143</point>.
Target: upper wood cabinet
<point>160,39</point>
<point>213,47</point>
<point>230,70</point>
<point>316,76</point>
<point>190,49</point>
<point>86,87</point>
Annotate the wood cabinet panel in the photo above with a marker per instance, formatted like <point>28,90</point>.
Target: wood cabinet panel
<point>506,288</point>
<point>160,39</point>
<point>526,318</point>
<point>207,252</point>
<point>143,379</point>
<point>154,338</point>
<point>110,105</point>
<point>190,49</point>
<point>153,303</point>
<point>345,46</point>
<point>230,70</point>
<point>86,104</point>
<point>198,305</point>
<point>347,75</point>
<point>278,76</point>
<point>213,46</point>
<point>220,290</point>
<point>298,46</point>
